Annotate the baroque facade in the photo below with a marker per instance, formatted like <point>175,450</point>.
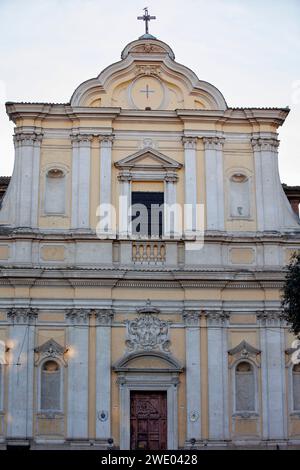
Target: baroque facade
<point>147,339</point>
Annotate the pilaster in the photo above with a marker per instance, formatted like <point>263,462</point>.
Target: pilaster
<point>27,147</point>
<point>273,374</point>
<point>104,319</point>
<point>20,372</point>
<point>106,142</point>
<point>217,375</point>
<point>266,188</point>
<point>124,178</point>
<point>81,163</point>
<point>78,367</point>
<point>193,374</point>
<point>214,178</point>
<point>190,172</point>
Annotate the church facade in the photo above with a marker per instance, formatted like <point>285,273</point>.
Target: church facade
<point>168,333</point>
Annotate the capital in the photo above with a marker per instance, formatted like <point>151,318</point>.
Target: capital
<point>171,177</point>
<point>270,318</point>
<point>78,316</point>
<point>191,317</point>
<point>106,140</point>
<point>213,143</point>
<point>23,315</point>
<point>81,139</point>
<point>217,318</point>
<point>189,142</point>
<point>265,144</point>
<point>124,175</point>
<point>104,316</point>
<point>28,139</point>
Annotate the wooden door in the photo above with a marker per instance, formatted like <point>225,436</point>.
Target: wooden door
<point>148,420</point>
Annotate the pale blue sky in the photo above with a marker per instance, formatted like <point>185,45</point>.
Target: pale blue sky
<point>249,49</point>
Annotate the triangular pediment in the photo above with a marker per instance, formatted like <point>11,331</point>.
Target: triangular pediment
<point>244,348</point>
<point>148,158</point>
<point>50,346</point>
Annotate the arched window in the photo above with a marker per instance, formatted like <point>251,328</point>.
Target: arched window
<point>296,387</point>
<point>239,195</point>
<point>244,387</point>
<point>50,386</point>
<point>55,192</point>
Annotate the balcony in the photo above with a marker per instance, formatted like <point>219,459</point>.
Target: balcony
<point>149,252</point>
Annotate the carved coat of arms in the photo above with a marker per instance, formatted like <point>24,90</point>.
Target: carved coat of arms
<point>147,333</point>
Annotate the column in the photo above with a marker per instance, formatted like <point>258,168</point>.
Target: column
<point>171,217</point>
<point>217,375</point>
<point>78,370</point>
<point>193,373</point>
<point>273,375</point>
<point>81,163</point>
<point>27,178</point>
<point>214,180</point>
<point>103,374</point>
<point>105,183</point>
<point>124,178</point>
<point>20,372</point>
<point>266,187</point>
<point>190,172</point>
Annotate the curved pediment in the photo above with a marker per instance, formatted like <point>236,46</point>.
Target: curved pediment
<point>148,362</point>
<point>148,77</point>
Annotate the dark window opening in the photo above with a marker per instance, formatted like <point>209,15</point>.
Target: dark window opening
<point>147,213</point>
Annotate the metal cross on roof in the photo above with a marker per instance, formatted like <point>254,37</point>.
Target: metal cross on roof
<point>146,17</point>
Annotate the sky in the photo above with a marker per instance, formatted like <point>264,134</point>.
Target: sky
<point>248,49</point>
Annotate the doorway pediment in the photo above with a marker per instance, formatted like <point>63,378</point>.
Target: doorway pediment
<point>148,362</point>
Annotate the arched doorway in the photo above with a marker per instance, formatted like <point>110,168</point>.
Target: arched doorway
<point>148,383</point>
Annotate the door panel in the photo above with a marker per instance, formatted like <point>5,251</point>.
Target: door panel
<point>148,420</point>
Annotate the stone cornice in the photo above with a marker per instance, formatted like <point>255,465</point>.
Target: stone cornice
<point>144,284</point>
<point>8,234</point>
<point>62,111</point>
